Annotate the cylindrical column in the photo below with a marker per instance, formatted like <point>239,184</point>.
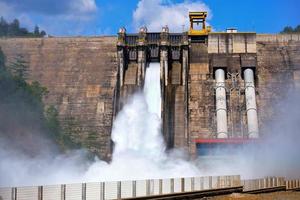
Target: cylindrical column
<point>251,103</point>
<point>221,108</point>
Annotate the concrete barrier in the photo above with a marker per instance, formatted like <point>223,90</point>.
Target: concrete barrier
<point>267,184</point>
<point>119,189</point>
<point>293,184</point>
<point>277,37</point>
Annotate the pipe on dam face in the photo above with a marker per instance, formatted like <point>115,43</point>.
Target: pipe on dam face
<point>251,103</point>
<point>221,108</point>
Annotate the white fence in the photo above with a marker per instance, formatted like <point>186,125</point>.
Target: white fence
<point>119,189</point>
<point>292,184</point>
<point>263,183</point>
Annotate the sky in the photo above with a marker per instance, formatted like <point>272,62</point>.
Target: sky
<point>105,17</point>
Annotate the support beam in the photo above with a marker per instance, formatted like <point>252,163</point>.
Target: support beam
<point>221,108</point>
<point>251,103</point>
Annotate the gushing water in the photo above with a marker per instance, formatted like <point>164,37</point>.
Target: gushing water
<point>139,150</point>
<point>138,125</point>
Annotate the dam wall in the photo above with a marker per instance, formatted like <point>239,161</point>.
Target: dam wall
<point>83,79</point>
<point>80,75</point>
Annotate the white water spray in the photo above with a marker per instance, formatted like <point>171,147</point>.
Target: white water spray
<point>139,151</point>
<point>137,126</point>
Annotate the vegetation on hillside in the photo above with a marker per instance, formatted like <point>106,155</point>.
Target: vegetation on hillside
<point>14,29</point>
<point>289,29</point>
<point>24,120</point>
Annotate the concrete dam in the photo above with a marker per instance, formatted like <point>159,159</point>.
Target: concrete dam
<point>216,87</point>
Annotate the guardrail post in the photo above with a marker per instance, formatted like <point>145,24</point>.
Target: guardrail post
<point>172,185</point>
<point>14,192</point>
<point>119,190</point>
<point>182,185</point>
<point>83,186</point>
<point>193,184</point>
<point>210,182</point>
<point>63,192</point>
<point>218,182</point>
<point>133,188</point>
<point>160,186</point>
<point>265,182</point>
<point>102,190</point>
<point>40,192</point>
<point>277,183</point>
<point>201,183</point>
<point>148,187</point>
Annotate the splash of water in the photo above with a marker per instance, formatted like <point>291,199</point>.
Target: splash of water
<point>139,151</point>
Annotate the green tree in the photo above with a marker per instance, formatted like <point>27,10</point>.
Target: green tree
<point>36,31</point>
<point>2,60</point>
<point>52,122</point>
<point>297,29</point>
<point>43,33</point>
<point>19,67</point>
<point>288,29</point>
<point>3,27</point>
<point>13,29</point>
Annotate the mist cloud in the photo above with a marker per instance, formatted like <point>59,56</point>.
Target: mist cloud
<point>276,153</point>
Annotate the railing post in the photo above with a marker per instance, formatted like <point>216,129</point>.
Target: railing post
<point>133,188</point>
<point>182,185</point>
<point>147,187</point>
<point>83,191</point>
<point>119,192</point>
<point>193,184</point>
<point>63,192</point>
<point>172,185</point>
<point>210,182</point>
<point>160,186</point>
<point>40,193</point>
<point>201,183</point>
<point>102,190</point>
<point>14,192</point>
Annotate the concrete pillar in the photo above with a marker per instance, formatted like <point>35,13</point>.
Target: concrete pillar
<point>141,66</point>
<point>221,108</point>
<point>164,65</point>
<point>251,103</point>
<point>121,65</point>
<point>185,58</point>
<point>185,62</point>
